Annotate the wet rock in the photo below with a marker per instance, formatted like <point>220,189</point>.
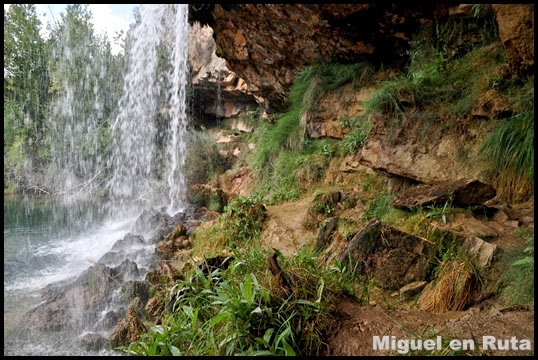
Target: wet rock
<point>127,330</point>
<point>325,233</point>
<point>462,192</point>
<point>149,221</point>
<point>108,321</point>
<point>93,342</point>
<point>60,310</point>
<point>128,242</point>
<point>128,270</point>
<point>391,257</point>
<point>112,258</point>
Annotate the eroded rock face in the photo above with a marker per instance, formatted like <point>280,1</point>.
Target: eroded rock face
<point>266,44</point>
<point>218,91</point>
<point>424,151</point>
<point>333,109</point>
<point>516,30</point>
<point>389,256</point>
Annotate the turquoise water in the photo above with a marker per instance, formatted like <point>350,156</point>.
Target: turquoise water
<point>45,241</point>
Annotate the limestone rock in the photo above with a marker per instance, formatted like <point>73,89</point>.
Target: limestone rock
<point>218,91</point>
<point>128,242</point>
<point>391,257</point>
<point>238,182</point>
<point>461,192</point>
<point>155,309</point>
<point>484,250</point>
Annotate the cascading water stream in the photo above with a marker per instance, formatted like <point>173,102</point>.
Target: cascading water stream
<point>148,157</point>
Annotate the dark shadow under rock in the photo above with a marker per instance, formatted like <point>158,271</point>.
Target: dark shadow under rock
<point>462,192</point>
<point>391,257</point>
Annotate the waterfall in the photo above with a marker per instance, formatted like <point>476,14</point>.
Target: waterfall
<point>59,264</point>
<point>149,147</point>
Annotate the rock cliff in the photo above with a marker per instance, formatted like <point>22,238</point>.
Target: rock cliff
<point>267,44</point>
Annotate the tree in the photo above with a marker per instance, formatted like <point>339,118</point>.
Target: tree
<point>26,97</point>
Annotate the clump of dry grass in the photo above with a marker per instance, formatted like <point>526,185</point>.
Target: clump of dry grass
<point>454,288</point>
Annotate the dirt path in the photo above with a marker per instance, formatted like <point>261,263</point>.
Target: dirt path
<point>352,330</point>
<point>283,228</point>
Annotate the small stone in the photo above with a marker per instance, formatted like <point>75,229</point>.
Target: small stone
<point>412,289</point>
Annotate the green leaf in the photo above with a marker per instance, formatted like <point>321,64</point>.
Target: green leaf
<point>174,350</point>
<point>219,318</point>
<point>157,328</point>
<point>264,353</point>
<point>267,335</point>
<point>287,347</point>
<point>524,261</point>
<point>194,319</point>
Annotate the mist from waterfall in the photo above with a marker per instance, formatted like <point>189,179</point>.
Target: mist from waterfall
<point>149,148</point>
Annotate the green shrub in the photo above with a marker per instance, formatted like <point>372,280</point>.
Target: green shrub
<point>241,310</point>
<point>378,207</point>
<point>283,155</point>
<point>238,226</point>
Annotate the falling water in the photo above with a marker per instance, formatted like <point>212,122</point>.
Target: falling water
<point>144,169</point>
<point>148,156</point>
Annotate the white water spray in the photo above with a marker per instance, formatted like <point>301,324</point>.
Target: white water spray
<point>149,149</point>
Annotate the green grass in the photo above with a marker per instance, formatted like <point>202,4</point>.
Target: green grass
<point>285,160</point>
<point>238,226</point>
<point>356,138</point>
<point>510,151</point>
<point>517,281</point>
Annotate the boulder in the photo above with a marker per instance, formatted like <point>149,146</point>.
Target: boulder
<point>390,256</point>
<point>462,192</point>
<point>149,221</point>
<point>93,342</point>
